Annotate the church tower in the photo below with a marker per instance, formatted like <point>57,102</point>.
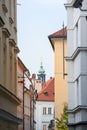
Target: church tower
<point>41,73</point>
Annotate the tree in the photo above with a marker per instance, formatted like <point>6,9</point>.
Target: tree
<point>62,123</point>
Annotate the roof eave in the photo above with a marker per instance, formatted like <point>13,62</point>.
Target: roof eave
<point>50,37</point>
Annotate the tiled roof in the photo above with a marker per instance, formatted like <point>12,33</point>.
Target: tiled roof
<point>62,32</point>
<point>47,92</point>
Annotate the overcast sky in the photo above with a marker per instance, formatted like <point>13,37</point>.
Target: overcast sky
<point>37,19</point>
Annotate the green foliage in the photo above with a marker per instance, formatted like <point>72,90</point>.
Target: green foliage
<point>62,123</point>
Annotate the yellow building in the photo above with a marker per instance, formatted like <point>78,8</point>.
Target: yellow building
<point>8,66</point>
<point>58,41</point>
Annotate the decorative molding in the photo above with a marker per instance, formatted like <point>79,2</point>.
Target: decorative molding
<point>15,29</point>
<point>17,49</point>
<point>11,20</point>
<point>4,8</point>
<point>12,42</point>
<point>6,32</point>
<point>1,22</point>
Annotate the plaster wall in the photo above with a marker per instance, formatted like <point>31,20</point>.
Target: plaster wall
<point>61,90</point>
<point>43,119</point>
<point>77,55</point>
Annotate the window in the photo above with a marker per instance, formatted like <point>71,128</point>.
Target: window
<point>49,110</point>
<point>39,81</point>
<point>44,110</point>
<point>36,81</point>
<point>44,127</point>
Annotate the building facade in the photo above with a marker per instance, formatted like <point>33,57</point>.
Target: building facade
<point>8,66</point>
<point>26,93</point>
<point>77,63</point>
<point>45,106</point>
<point>58,41</point>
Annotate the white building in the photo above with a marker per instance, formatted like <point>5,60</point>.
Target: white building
<point>77,63</point>
<point>45,106</point>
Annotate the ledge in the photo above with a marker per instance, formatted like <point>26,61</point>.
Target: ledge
<point>77,124</point>
<point>76,53</point>
<point>78,108</point>
<point>9,117</point>
<point>9,95</point>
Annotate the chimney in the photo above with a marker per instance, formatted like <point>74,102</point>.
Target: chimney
<point>33,76</point>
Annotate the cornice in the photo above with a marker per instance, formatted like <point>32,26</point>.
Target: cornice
<point>76,53</point>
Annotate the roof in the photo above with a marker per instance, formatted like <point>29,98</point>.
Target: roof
<point>47,92</point>
<point>59,34</point>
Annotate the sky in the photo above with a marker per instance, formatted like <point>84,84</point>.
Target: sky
<point>36,20</point>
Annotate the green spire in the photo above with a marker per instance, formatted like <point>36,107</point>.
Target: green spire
<point>41,70</point>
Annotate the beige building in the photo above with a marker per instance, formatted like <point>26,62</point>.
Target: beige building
<point>59,45</point>
<point>8,66</point>
<point>24,93</point>
<point>27,94</point>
